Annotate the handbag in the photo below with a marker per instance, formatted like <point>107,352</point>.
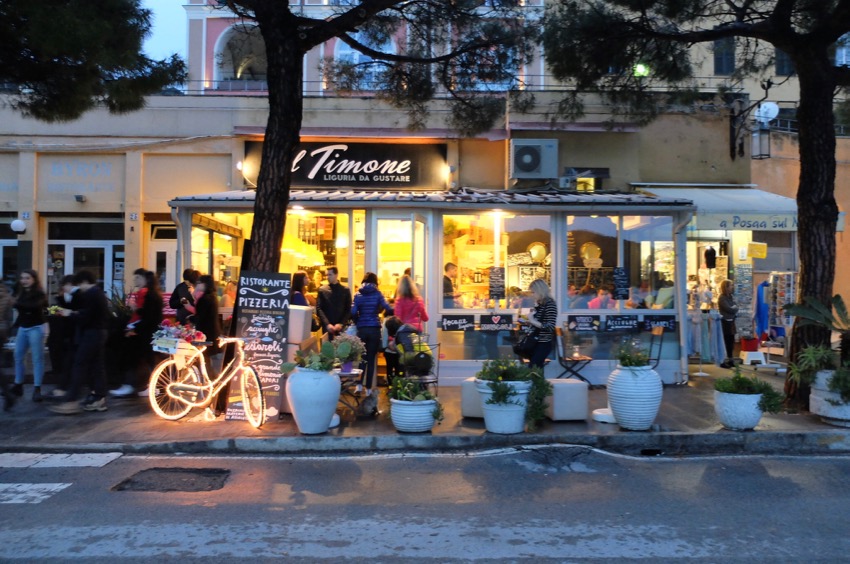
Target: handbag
<point>525,343</point>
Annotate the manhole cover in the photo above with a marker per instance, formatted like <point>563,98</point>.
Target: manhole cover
<point>175,480</point>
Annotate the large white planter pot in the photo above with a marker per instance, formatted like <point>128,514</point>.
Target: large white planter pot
<point>313,396</point>
<point>412,416</point>
<point>504,419</point>
<point>827,404</point>
<point>738,412</point>
<point>634,395</point>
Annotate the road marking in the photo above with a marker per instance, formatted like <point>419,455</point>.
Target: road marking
<point>40,460</point>
<point>29,493</point>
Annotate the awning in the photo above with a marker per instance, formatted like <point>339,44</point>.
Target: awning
<point>735,208</point>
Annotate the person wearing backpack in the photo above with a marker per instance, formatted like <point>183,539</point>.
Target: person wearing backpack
<point>182,296</point>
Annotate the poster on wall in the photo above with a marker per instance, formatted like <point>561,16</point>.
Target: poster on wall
<point>497,283</point>
<point>262,303</point>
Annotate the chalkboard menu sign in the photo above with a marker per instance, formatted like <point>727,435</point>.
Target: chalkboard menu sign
<point>621,283</point>
<point>497,283</point>
<point>621,323</point>
<point>496,323</point>
<point>262,304</point>
<point>667,321</point>
<point>583,323</point>
<point>458,323</point>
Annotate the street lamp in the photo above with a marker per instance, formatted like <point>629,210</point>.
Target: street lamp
<point>761,142</point>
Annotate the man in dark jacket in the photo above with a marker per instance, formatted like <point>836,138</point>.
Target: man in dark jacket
<point>91,319</point>
<point>183,295</point>
<point>334,304</point>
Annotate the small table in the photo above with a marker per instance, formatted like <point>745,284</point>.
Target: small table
<point>347,388</point>
<point>573,365</point>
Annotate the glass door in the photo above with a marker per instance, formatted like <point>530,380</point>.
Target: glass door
<point>105,260</point>
<point>401,250</point>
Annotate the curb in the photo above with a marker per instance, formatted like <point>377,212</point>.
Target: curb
<point>661,444</point>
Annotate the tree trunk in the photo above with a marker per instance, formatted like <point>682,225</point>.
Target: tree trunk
<point>285,77</point>
<point>816,208</point>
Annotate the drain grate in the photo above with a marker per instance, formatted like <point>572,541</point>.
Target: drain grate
<point>175,480</point>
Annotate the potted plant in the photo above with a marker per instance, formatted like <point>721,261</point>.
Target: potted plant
<point>412,409</point>
<point>312,387</point>
<point>634,388</point>
<point>739,402</point>
<point>818,366</point>
<point>355,354</point>
<point>513,395</point>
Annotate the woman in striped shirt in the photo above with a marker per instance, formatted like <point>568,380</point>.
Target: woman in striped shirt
<point>543,318</point>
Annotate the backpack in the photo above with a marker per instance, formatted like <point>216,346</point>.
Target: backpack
<point>174,299</point>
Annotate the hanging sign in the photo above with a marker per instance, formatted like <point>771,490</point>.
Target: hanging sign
<point>666,321</point>
<point>493,323</point>
<point>621,323</point>
<point>583,323</point>
<point>757,250</point>
<point>458,322</point>
<point>262,306</point>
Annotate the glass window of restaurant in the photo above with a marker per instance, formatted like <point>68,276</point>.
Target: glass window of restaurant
<point>518,246</point>
<point>621,273</point>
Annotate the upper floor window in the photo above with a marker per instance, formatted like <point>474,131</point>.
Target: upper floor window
<point>242,54</point>
<point>784,65</point>
<point>724,56</point>
<point>365,72</point>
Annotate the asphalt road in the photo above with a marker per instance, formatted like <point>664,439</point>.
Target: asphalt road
<point>550,504</point>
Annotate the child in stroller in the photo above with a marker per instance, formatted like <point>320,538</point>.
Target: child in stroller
<point>414,354</point>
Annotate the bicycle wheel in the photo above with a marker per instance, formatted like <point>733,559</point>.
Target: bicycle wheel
<point>175,406</point>
<point>252,397</point>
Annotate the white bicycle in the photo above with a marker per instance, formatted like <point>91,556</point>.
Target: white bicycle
<point>181,383</point>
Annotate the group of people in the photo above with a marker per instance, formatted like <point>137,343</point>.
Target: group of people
<point>336,309</point>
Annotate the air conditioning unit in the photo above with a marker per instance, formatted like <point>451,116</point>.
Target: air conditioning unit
<point>534,158</point>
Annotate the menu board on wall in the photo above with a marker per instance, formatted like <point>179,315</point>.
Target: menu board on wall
<point>458,323</point>
<point>621,283</point>
<point>497,283</point>
<point>262,303</point>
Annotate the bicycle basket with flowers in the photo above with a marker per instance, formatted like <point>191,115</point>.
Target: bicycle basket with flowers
<point>167,337</point>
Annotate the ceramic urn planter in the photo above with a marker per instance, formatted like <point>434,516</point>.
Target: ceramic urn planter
<point>634,395</point>
<point>313,397</point>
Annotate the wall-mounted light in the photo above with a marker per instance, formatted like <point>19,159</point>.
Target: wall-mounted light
<point>18,226</point>
<point>80,198</point>
<point>238,165</point>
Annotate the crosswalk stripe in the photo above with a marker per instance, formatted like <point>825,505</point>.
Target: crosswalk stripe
<point>29,493</point>
<point>40,460</point>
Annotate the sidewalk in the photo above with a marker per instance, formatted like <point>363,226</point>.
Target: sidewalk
<point>686,425</point>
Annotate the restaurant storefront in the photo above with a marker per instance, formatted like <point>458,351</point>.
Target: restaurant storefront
<point>501,240</point>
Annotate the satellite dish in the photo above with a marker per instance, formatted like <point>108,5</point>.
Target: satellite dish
<point>766,112</point>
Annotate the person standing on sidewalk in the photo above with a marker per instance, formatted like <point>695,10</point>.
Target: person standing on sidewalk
<point>368,304</point>
<point>728,311</point>
<point>5,326</point>
<point>140,329</point>
<point>31,303</point>
<point>92,318</point>
<point>333,305</point>
<point>542,318</point>
<point>182,300</point>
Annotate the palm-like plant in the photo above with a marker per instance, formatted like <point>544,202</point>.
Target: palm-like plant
<point>832,316</point>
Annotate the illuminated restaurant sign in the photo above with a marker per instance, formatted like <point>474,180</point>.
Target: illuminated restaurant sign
<point>361,165</point>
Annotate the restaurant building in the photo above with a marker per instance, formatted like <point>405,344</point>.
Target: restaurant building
<point>595,203</point>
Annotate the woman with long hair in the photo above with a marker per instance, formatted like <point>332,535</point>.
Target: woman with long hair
<point>300,281</point>
<point>208,322</point>
<point>31,303</point>
<point>409,306</point>
<point>728,311</point>
<point>542,318</point>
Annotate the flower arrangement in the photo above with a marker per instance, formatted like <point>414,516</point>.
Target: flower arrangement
<point>54,310</point>
<point>498,371</point>
<point>357,350</point>
<point>631,353</point>
<point>170,330</point>
<point>406,389</point>
<point>771,400</point>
